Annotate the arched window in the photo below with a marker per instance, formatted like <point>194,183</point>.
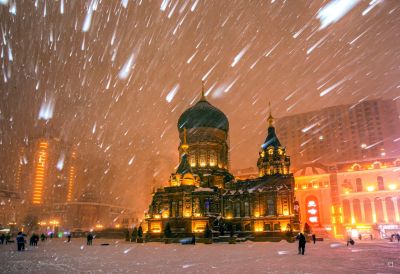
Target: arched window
<point>213,158</point>
<point>346,211</point>
<point>357,211</point>
<point>202,159</point>
<point>246,209</point>
<point>237,209</point>
<point>368,211</point>
<point>271,207</point>
<point>359,186</point>
<point>173,209</point>
<point>356,167</point>
<point>390,210</point>
<point>376,165</point>
<point>381,185</point>
<point>192,160</point>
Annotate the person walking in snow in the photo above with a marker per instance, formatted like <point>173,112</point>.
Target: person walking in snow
<point>69,237</point>
<point>314,238</point>
<point>89,239</point>
<point>20,241</point>
<point>302,243</point>
<point>2,238</point>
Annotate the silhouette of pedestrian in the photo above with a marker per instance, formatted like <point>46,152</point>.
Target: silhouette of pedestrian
<point>302,243</point>
<point>20,241</point>
<point>2,238</point>
<point>193,239</point>
<point>314,238</point>
<point>89,239</point>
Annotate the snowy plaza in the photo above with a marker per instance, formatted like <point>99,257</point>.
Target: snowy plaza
<point>58,256</point>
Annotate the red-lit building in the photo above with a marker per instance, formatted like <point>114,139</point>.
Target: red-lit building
<point>351,198</point>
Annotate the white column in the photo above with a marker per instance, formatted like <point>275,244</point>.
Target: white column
<point>373,211</point>
<point>353,221</point>
<point>362,211</point>
<point>396,209</point>
<point>385,216</point>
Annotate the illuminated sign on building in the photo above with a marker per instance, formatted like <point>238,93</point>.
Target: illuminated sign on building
<point>312,210</point>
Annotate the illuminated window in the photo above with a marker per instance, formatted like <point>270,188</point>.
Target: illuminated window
<point>192,160</point>
<point>246,209</point>
<point>356,167</point>
<point>376,165</point>
<point>271,207</point>
<point>237,209</point>
<point>202,159</point>
<point>213,158</point>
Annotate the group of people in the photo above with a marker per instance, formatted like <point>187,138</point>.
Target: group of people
<point>34,239</point>
<point>5,239</point>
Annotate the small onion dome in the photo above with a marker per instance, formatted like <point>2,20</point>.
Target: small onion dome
<point>203,114</point>
<point>188,179</point>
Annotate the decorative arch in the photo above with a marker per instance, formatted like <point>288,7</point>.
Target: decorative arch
<point>356,167</point>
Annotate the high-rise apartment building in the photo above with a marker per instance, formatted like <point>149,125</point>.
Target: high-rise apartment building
<point>46,171</point>
<point>369,129</point>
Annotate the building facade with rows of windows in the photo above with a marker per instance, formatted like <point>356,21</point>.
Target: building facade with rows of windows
<point>352,198</point>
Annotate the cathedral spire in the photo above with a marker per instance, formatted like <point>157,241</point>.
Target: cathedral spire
<point>270,118</point>
<point>203,96</point>
<point>184,145</point>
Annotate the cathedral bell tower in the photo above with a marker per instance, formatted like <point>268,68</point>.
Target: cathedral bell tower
<point>272,156</point>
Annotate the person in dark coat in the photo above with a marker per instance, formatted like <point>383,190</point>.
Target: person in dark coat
<point>35,239</point>
<point>8,238</point>
<point>89,239</point>
<point>69,237</point>
<point>20,241</point>
<point>193,239</point>
<point>314,238</point>
<point>302,243</point>
<point>31,239</point>
<point>2,238</point>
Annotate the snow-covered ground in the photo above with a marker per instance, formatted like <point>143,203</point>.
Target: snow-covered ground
<point>57,256</point>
